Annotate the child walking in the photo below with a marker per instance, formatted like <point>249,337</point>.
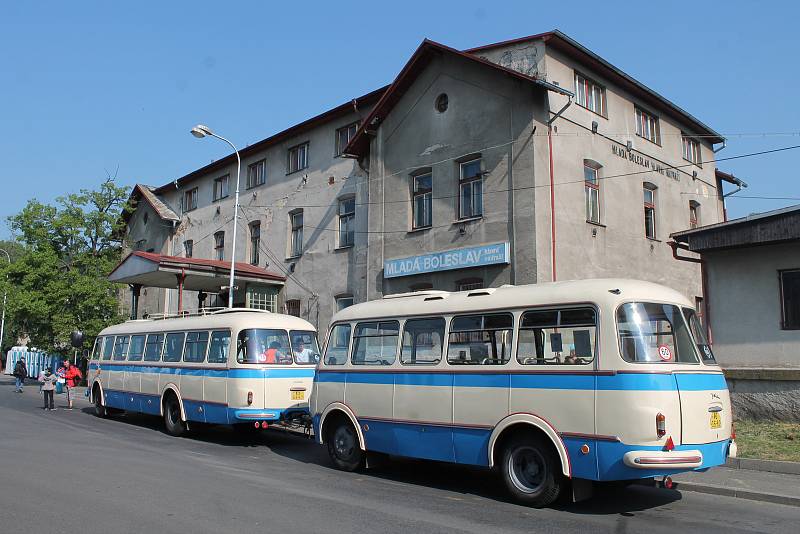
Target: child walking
<point>48,380</point>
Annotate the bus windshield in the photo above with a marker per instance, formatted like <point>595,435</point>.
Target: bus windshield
<point>699,336</point>
<point>654,333</point>
<point>263,345</point>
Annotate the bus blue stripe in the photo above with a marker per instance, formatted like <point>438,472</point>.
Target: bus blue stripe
<point>701,382</point>
<point>217,373</point>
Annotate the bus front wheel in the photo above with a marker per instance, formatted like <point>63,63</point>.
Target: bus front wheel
<point>99,409</point>
<point>343,446</point>
<point>172,417</point>
<point>531,471</point>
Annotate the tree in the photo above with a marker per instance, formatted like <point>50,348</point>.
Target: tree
<point>57,281</point>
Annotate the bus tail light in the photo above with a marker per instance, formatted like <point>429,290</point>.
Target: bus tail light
<point>249,397</point>
<point>257,424</point>
<point>264,425</point>
<point>661,425</point>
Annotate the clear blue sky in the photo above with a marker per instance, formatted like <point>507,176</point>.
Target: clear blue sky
<point>90,87</point>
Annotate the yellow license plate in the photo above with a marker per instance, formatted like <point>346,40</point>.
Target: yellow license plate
<point>300,395</point>
<point>716,420</point>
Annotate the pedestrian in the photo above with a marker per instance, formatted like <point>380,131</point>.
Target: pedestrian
<point>71,374</point>
<point>20,372</point>
<point>48,380</point>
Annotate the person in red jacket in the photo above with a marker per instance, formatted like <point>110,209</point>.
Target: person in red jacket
<point>71,375</point>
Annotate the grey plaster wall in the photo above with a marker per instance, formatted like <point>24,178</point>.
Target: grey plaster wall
<point>745,307</point>
<point>777,400</point>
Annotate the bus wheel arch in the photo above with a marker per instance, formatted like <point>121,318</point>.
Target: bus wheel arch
<point>98,400</point>
<point>334,411</point>
<point>513,425</point>
<point>172,412</point>
<point>171,390</point>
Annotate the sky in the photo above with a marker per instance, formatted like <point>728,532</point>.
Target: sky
<point>90,89</point>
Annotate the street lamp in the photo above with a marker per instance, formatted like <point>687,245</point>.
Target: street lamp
<point>201,131</point>
<point>5,294</point>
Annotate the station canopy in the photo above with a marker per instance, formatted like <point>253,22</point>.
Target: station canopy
<point>148,269</point>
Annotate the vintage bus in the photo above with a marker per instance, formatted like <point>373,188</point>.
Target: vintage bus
<point>577,381</point>
<point>239,367</point>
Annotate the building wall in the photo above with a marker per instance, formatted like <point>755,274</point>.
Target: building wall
<point>321,272</point>
<point>745,307</point>
<point>489,116</point>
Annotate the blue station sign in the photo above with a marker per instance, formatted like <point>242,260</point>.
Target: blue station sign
<point>460,258</point>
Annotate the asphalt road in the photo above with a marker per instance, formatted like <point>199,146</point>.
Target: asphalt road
<point>69,471</point>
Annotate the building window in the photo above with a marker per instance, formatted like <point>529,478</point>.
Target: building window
<point>422,286</point>
<point>298,158</point>
<point>469,284</point>
<point>344,135</point>
<point>188,248</point>
<point>221,187</point>
<point>422,199</point>
<point>296,241</point>
<point>293,307</point>
<point>691,149</point>
<point>790,299</point>
<point>647,126</point>
<point>257,174</point>
<point>590,95</point>
<point>140,244</point>
<point>343,301</point>
<point>144,219</point>
<point>219,245</point>
<point>591,186</point>
<point>255,242</point>
<point>262,298</point>
<point>694,214</point>
<point>470,194</point>
<point>190,200</point>
<point>347,220</point>
<point>649,210</point>
<point>442,103</point>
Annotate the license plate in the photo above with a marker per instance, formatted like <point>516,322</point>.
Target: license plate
<point>716,420</point>
<point>300,395</point>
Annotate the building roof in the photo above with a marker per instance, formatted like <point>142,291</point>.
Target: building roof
<point>569,47</point>
<point>771,227</point>
<point>428,49</point>
<point>339,111</point>
<point>146,192</point>
<point>156,270</point>
<point>728,177</point>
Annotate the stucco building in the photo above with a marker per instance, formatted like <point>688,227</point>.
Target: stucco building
<point>524,161</point>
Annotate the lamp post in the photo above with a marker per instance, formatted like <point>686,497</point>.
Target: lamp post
<point>201,131</point>
<point>5,294</point>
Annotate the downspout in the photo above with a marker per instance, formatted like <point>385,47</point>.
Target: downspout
<point>674,245</point>
<point>553,188</point>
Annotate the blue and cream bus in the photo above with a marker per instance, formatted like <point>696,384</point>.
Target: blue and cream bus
<point>239,366</point>
<point>581,381</point>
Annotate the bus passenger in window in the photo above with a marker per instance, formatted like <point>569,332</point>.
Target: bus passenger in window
<point>274,354</point>
<point>302,354</point>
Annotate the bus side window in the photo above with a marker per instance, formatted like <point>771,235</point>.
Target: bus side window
<point>152,349</point>
<point>136,349</point>
<point>98,348</point>
<point>196,345</point>
<point>567,336</point>
<point>108,348</point>
<point>173,346</point>
<point>338,343</point>
<point>375,343</point>
<point>121,348</point>
<point>423,340</point>
<point>480,339</point>
<point>220,344</point>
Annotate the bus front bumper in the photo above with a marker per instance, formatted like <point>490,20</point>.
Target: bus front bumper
<point>686,459</point>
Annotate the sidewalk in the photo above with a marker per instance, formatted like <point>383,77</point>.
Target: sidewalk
<point>764,486</point>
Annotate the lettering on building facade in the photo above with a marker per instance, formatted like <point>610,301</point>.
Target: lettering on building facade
<point>448,260</point>
<point>647,163</point>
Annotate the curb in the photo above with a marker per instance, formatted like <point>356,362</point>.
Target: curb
<point>738,493</point>
<point>770,466</point>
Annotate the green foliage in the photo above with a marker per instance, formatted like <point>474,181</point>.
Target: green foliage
<point>63,253</point>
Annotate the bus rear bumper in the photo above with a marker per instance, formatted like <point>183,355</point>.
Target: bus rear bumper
<point>685,459</point>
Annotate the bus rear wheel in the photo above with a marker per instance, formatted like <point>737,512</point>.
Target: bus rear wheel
<point>343,446</point>
<point>172,417</point>
<point>530,471</point>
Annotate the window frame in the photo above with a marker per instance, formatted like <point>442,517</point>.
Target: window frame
<point>476,282</point>
<point>226,179</point>
<point>338,298</point>
<point>130,346</point>
<point>442,354</point>
<point>784,325</point>
<point>559,308</point>
<point>470,182</point>
<point>291,159</point>
<point>190,200</point>
<point>652,206</point>
<point>512,328</point>
<point>349,218</point>
<point>339,150</point>
<point>121,340</point>
<point>255,242</point>
<point>188,248</point>
<point>186,345</point>
<point>108,349</point>
<point>181,333</point>
<point>592,188</point>
<point>347,348</point>
<point>378,322</point>
<point>254,179</point>
<point>694,214</point>
<point>427,199</point>
<point>296,234</point>
<point>219,245</point>
<point>643,116</point>
<point>210,343</point>
<point>588,86</point>
<point>695,156</point>
<point>290,308</point>
<point>147,342</point>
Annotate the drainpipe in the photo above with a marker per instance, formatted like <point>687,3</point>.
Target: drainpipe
<point>674,245</point>
<point>553,187</point>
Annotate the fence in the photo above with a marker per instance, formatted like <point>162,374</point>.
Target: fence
<point>36,361</point>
